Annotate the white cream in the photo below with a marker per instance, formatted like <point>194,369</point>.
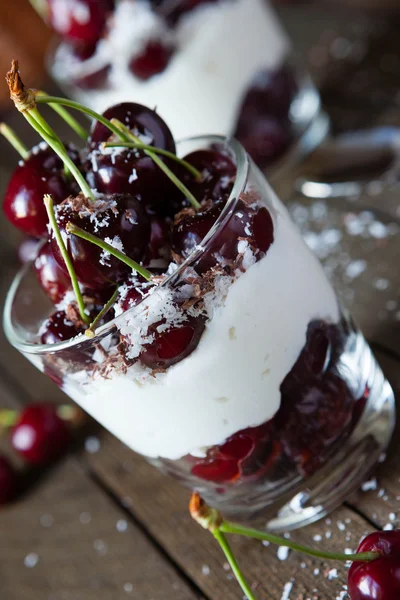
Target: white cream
<point>220,48</point>
<point>232,380</point>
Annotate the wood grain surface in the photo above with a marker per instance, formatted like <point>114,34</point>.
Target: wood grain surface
<point>105,525</point>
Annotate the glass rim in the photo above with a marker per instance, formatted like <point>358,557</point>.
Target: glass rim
<point>242,168</point>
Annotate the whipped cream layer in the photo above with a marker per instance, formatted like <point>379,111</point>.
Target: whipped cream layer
<point>220,47</point>
<point>232,380</point>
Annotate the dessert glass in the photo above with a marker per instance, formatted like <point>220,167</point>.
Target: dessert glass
<point>281,407</point>
<point>229,69</point>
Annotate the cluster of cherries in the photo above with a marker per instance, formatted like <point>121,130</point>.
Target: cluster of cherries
<point>153,221</point>
<point>263,125</point>
<point>38,434</point>
<point>82,29</point>
<point>137,204</point>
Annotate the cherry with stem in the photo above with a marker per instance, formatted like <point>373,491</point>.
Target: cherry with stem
<point>11,137</point>
<point>25,102</point>
<point>67,117</point>
<point>91,331</point>
<point>48,202</point>
<point>125,135</point>
<point>89,237</point>
<point>212,520</point>
<point>175,180</point>
<point>139,146</point>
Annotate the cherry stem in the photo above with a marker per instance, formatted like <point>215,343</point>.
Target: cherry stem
<point>48,202</point>
<point>139,146</point>
<point>91,331</point>
<point>61,151</point>
<point>89,237</point>
<point>14,140</point>
<point>125,135</point>
<point>84,109</point>
<point>67,117</point>
<point>223,542</point>
<point>235,528</point>
<point>150,153</point>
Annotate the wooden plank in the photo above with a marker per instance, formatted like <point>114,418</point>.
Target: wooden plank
<point>160,504</point>
<point>66,540</point>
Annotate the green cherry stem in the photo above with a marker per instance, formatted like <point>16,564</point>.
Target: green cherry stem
<point>89,237</point>
<point>157,160</point>
<point>91,331</point>
<point>235,528</point>
<point>125,135</point>
<point>83,109</point>
<point>139,146</point>
<point>48,202</point>
<point>11,137</point>
<point>223,542</point>
<point>67,117</point>
<point>61,151</point>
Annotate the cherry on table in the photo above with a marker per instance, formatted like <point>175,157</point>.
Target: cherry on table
<point>8,480</point>
<point>82,21</point>
<point>40,435</point>
<point>51,277</point>
<point>380,578</point>
<point>173,345</point>
<point>41,173</point>
<point>123,221</point>
<point>113,170</point>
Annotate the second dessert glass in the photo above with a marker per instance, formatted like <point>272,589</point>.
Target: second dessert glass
<point>280,407</point>
<point>222,66</point>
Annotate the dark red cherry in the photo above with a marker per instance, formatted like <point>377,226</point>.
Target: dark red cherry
<point>249,222</point>
<point>131,171</point>
<point>380,578</point>
<point>122,222</point>
<point>158,247</point>
<point>152,60</point>
<point>8,480</point>
<point>58,328</point>
<point>266,140</point>
<point>218,470</point>
<point>218,173</point>
<point>248,453</point>
<point>50,275</point>
<point>173,345</point>
<point>81,20</point>
<point>40,435</point>
<point>141,120</point>
<point>40,174</point>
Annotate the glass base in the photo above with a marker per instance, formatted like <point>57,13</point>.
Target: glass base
<point>351,459</point>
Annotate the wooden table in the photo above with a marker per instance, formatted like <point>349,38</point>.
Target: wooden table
<point>104,525</point>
